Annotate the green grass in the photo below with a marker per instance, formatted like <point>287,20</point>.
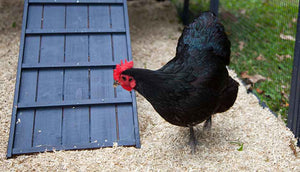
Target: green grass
<point>258,25</point>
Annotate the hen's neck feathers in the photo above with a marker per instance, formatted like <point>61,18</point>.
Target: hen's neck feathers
<point>148,80</point>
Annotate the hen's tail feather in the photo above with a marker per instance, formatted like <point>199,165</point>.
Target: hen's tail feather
<point>205,33</point>
<point>228,96</point>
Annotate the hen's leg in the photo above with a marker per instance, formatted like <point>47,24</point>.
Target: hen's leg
<point>193,141</point>
<point>207,124</point>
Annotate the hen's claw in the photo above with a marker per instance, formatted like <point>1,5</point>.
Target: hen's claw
<point>207,124</point>
<point>193,142</point>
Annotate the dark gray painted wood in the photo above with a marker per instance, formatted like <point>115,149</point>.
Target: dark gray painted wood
<point>214,6</point>
<point>75,31</point>
<point>103,119</point>
<point>34,16</point>
<point>117,16</point>
<point>17,86</point>
<point>77,16</point>
<point>64,96</point>
<point>52,49</point>
<point>293,121</point>
<point>17,151</point>
<point>76,119</point>
<point>119,47</point>
<point>125,121</point>
<point>76,126</point>
<point>185,16</point>
<point>76,84</point>
<point>103,125</point>
<point>77,1</point>
<point>76,48</point>
<point>101,49</point>
<point>50,86</point>
<point>99,16</point>
<point>47,122</point>
<point>28,86</point>
<point>24,127</point>
<point>74,65</point>
<point>47,128</point>
<point>72,103</point>
<point>102,84</point>
<point>31,50</point>
<point>54,17</point>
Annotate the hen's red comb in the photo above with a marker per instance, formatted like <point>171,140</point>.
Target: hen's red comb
<point>122,67</point>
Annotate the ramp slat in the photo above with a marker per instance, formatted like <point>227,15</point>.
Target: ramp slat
<point>77,1</point>
<point>74,31</point>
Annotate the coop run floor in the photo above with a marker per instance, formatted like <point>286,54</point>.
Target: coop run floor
<point>154,33</point>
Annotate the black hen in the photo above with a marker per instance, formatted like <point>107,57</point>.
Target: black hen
<point>195,84</point>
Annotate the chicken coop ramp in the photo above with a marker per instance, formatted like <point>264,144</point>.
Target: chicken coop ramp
<point>64,96</point>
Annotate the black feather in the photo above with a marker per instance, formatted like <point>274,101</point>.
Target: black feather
<point>195,84</point>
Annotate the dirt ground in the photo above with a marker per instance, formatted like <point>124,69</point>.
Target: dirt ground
<point>154,32</point>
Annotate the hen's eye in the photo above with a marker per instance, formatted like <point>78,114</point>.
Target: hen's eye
<point>130,79</point>
<point>124,78</point>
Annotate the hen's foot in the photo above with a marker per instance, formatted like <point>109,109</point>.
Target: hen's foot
<point>207,125</point>
<point>193,142</point>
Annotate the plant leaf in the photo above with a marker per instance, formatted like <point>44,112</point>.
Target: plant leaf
<point>287,37</point>
<point>253,79</point>
<point>256,78</point>
<point>259,91</point>
<point>241,45</point>
<point>241,148</point>
<point>244,74</point>
<point>282,57</point>
<point>238,143</point>
<point>243,11</point>
<point>14,24</point>
<point>260,58</point>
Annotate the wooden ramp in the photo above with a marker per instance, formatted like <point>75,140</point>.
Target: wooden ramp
<point>64,96</point>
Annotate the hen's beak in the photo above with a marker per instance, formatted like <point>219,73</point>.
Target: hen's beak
<point>116,83</point>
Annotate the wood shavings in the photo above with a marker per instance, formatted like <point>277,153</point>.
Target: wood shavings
<point>293,147</point>
<point>115,144</point>
<point>164,146</point>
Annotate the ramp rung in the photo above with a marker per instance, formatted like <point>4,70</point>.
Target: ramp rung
<point>67,65</point>
<point>74,31</point>
<point>75,103</point>
<point>92,145</point>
